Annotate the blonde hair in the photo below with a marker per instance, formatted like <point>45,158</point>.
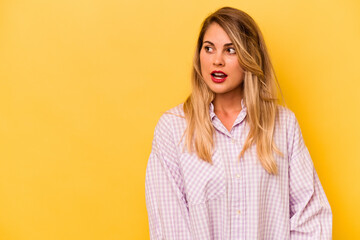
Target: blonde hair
<point>259,90</point>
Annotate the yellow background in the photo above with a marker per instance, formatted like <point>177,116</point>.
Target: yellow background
<point>83,83</point>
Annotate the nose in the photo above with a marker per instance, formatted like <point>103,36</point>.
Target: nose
<point>218,59</point>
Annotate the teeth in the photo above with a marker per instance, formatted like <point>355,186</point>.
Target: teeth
<point>219,74</point>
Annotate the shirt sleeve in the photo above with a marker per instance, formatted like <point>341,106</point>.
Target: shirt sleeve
<point>310,211</point>
<point>164,187</point>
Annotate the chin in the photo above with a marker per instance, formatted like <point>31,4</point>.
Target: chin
<point>219,91</point>
<point>219,88</point>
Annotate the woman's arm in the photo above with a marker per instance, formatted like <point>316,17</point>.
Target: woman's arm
<point>164,187</point>
<point>310,211</point>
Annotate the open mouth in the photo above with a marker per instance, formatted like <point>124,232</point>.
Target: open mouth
<point>218,76</point>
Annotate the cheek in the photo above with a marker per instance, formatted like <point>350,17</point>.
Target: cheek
<point>237,70</point>
<point>202,59</point>
<point>203,63</point>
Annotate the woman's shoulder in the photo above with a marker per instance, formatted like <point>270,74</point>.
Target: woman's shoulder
<point>291,127</point>
<point>173,118</point>
<point>173,114</point>
<point>176,111</point>
<point>286,117</point>
<point>284,112</point>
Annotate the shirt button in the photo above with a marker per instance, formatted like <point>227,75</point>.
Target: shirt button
<point>238,212</point>
<point>238,176</point>
<point>233,140</point>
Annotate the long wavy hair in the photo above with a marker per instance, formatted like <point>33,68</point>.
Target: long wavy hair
<point>259,90</point>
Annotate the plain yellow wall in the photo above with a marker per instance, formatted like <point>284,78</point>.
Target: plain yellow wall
<point>83,83</point>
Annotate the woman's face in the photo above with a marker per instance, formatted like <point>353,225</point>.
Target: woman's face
<point>219,63</point>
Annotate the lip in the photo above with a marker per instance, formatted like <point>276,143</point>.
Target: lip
<point>218,80</point>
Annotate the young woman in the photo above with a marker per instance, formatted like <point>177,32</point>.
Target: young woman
<point>242,171</point>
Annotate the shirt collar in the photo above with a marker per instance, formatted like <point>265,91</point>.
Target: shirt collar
<point>212,113</point>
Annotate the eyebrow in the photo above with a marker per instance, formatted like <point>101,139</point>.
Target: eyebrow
<point>226,44</point>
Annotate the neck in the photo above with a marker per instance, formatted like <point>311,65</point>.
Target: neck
<point>227,103</point>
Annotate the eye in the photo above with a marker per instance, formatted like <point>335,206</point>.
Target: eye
<point>231,50</point>
<point>208,49</point>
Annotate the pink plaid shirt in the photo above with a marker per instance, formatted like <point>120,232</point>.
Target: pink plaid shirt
<point>189,199</point>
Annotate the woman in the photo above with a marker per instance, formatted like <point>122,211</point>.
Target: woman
<point>243,170</point>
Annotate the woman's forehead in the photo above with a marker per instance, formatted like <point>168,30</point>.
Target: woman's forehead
<point>216,35</point>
